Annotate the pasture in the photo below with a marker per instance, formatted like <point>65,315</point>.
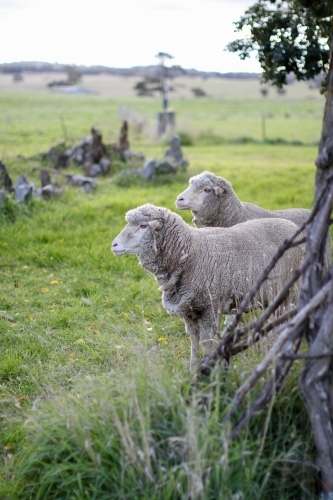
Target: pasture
<point>96,397</point>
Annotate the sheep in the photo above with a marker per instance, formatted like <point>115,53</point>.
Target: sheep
<point>214,203</point>
<point>204,273</point>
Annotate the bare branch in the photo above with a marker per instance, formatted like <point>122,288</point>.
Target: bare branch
<point>297,321</point>
<point>270,389</point>
<point>258,335</point>
<point>308,356</point>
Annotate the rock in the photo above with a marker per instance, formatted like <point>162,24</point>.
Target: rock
<point>131,157</point>
<point>100,168</point>
<point>46,191</point>
<point>149,168</point>
<point>23,189</point>
<point>87,183</point>
<point>175,151</point>
<point>95,170</point>
<point>165,167</point>
<point>105,164</point>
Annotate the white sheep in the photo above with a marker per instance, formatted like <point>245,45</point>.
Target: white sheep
<point>204,273</point>
<point>214,203</point>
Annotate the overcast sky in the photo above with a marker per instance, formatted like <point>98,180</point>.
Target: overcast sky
<point>122,33</point>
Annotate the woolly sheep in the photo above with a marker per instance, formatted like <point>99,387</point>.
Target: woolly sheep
<point>214,203</point>
<point>204,273</point>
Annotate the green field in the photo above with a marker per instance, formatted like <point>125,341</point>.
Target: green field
<point>97,401</point>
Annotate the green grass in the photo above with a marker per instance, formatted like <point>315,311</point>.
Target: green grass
<point>96,396</point>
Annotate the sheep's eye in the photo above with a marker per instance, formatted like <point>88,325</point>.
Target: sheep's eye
<point>143,225</point>
<point>207,190</point>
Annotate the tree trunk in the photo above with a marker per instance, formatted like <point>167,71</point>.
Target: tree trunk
<point>317,376</point>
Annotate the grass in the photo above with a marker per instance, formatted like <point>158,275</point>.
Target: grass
<point>96,397</point>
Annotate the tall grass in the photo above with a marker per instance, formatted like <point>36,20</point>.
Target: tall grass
<point>142,435</point>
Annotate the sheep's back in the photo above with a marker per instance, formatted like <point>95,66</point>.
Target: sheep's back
<point>233,258</point>
<point>296,215</point>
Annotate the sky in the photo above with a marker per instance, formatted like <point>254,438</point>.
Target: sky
<point>123,33</point>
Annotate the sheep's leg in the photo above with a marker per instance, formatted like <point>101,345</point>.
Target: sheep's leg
<point>192,328</point>
<point>209,326</point>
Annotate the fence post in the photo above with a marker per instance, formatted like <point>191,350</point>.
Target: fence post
<point>263,127</point>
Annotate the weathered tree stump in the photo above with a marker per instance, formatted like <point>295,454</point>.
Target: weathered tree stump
<point>5,180</point>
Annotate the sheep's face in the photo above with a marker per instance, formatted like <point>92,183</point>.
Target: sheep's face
<point>194,197</point>
<point>129,240</point>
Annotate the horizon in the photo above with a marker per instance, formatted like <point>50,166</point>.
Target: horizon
<point>118,68</point>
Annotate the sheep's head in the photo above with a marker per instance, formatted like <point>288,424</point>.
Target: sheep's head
<point>141,223</point>
<point>203,188</point>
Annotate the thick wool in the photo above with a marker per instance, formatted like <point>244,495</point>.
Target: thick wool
<point>226,209</point>
<point>204,273</point>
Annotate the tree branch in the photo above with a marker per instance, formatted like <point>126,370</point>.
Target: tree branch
<point>297,321</point>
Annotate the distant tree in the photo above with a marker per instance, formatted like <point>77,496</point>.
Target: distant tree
<point>73,75</point>
<point>160,81</point>
<point>296,36</point>
<point>264,91</point>
<point>289,36</point>
<point>17,77</point>
<point>163,56</point>
<point>198,92</point>
<point>281,91</point>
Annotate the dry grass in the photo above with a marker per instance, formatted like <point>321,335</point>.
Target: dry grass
<point>122,87</point>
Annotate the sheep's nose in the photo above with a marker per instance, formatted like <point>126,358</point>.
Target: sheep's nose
<point>114,244</point>
<point>180,198</point>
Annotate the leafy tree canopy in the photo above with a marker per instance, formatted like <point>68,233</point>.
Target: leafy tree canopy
<point>290,36</point>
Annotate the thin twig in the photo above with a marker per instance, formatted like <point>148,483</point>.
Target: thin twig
<point>232,337</point>
<point>285,245</point>
<point>270,389</point>
<point>300,317</point>
<point>258,335</point>
<point>308,356</point>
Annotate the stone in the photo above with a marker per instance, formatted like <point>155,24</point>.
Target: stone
<point>175,151</point>
<point>87,183</point>
<point>149,168</point>
<point>46,191</point>
<point>131,157</point>
<point>165,167</point>
<point>23,189</point>
<point>105,164</point>
<point>95,170</point>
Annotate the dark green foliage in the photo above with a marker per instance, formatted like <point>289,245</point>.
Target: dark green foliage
<point>73,75</point>
<point>288,38</point>
<point>319,8</point>
<point>198,92</point>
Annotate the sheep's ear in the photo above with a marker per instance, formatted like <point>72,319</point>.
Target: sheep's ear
<point>218,190</point>
<point>155,224</point>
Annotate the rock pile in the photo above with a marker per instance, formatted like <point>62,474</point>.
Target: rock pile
<point>90,153</point>
<point>173,161</point>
